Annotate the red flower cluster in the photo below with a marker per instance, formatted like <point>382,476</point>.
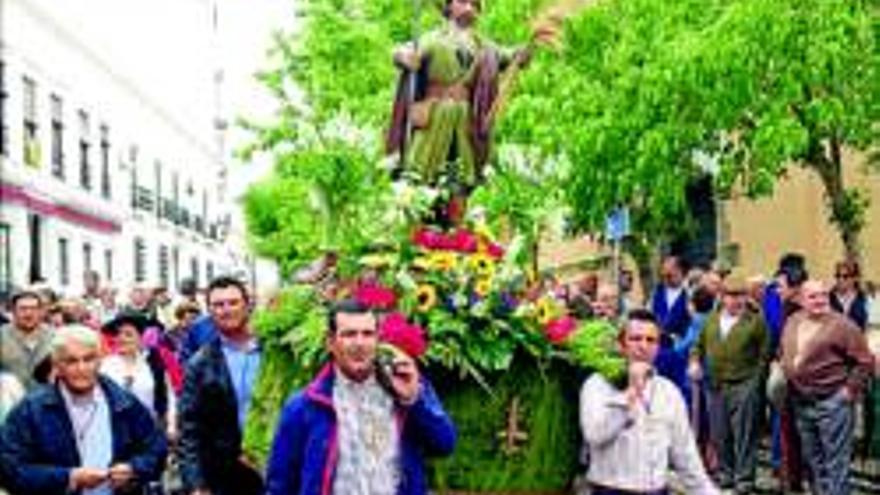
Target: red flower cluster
<point>409,338</point>
<point>462,241</point>
<point>559,329</point>
<point>375,296</point>
<point>495,251</point>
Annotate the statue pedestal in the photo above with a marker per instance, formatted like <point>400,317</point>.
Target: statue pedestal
<point>522,439</point>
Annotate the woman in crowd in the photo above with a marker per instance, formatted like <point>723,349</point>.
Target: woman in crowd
<point>847,297</point>
<point>140,369</point>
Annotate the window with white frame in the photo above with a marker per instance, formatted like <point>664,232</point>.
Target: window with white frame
<point>87,257</point>
<point>163,267</point>
<point>5,259</point>
<point>108,265</point>
<point>31,143</point>
<point>64,261</point>
<point>4,124</point>
<point>140,258</point>
<point>57,136</point>
<point>106,191</point>
<point>194,270</point>
<point>85,172</point>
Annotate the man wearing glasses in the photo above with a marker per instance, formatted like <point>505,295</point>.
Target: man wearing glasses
<point>636,435</point>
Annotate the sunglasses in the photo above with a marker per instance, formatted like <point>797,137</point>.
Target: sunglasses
<point>844,275</point>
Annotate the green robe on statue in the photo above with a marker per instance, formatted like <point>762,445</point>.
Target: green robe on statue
<point>443,148</point>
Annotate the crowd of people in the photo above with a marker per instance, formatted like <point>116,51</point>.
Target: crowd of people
<point>151,396</point>
<point>787,355</point>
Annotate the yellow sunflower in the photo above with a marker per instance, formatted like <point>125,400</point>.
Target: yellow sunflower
<point>426,297</point>
<point>442,260</point>
<point>482,264</point>
<point>483,286</point>
<point>545,310</point>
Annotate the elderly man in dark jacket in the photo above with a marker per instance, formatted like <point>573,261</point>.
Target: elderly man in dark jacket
<point>84,434</point>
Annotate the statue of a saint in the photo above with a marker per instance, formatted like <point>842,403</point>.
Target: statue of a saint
<point>441,124</point>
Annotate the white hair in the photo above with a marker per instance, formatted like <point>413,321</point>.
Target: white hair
<point>80,334</point>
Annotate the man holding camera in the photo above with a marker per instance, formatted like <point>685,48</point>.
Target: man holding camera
<point>359,429</point>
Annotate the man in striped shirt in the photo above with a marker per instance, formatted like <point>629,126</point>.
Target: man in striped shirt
<point>636,435</point>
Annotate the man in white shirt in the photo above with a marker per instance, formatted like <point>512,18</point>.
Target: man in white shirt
<point>636,435</point>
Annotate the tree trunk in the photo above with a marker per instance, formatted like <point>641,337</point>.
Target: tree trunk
<point>845,212</point>
<point>645,255</point>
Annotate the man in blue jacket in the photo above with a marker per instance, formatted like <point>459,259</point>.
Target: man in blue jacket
<point>669,303</point>
<point>84,435</point>
<point>347,433</point>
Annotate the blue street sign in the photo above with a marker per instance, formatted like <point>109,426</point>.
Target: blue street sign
<point>617,224</point>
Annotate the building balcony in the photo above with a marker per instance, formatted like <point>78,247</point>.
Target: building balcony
<point>198,224</point>
<point>183,218</point>
<point>168,210</point>
<point>143,199</point>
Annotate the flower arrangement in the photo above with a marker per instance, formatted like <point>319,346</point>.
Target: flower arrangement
<point>477,306</point>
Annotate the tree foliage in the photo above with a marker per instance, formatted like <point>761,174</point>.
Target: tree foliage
<point>761,84</point>
<point>638,87</point>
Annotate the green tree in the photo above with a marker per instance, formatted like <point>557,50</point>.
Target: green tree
<point>332,78</point>
<point>637,88</point>
<point>764,84</point>
<point>326,195</point>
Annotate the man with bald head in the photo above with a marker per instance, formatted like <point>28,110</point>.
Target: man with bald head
<point>827,363</point>
<point>84,435</point>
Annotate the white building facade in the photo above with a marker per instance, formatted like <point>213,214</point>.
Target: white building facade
<point>96,174</point>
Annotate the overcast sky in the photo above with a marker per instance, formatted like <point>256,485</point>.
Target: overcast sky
<point>167,48</point>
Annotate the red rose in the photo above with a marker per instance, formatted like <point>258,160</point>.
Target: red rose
<point>463,241</point>
<point>375,296</point>
<point>495,251</point>
<point>397,331</point>
<point>559,329</point>
<point>428,239</point>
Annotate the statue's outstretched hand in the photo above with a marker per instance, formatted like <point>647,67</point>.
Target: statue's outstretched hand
<point>408,56</point>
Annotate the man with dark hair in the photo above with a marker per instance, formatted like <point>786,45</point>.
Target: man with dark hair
<point>25,342</point>
<point>781,300</point>
<point>350,433</point>
<point>217,392</point>
<point>669,300</point>
<point>669,303</point>
<point>636,435</point>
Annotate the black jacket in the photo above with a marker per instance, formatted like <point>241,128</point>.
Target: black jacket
<point>210,438</point>
<point>858,310</point>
